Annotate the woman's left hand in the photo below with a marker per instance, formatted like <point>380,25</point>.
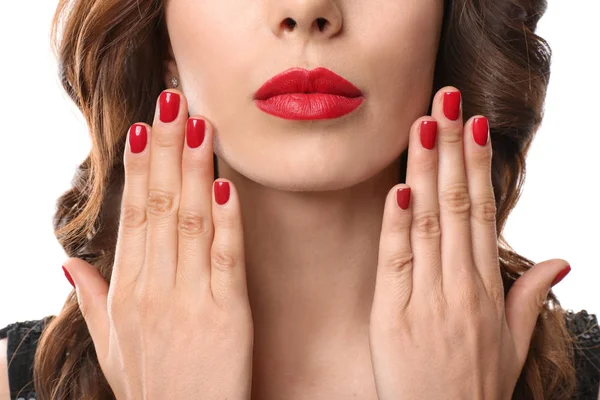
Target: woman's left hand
<point>440,326</point>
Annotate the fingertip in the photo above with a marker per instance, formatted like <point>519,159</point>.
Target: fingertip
<point>222,192</point>
<point>403,196</point>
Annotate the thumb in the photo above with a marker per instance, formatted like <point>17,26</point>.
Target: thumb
<point>526,299</point>
<point>92,294</point>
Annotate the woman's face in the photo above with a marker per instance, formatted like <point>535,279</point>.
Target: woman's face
<point>225,50</point>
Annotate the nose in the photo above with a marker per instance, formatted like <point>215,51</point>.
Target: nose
<point>316,19</point>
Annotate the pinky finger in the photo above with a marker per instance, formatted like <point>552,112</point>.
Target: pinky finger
<point>228,269</point>
<point>393,286</point>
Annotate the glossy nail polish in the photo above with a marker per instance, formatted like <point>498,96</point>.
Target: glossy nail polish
<point>452,105</point>
<point>169,106</point>
<point>428,134</point>
<point>222,192</point>
<point>403,197</point>
<point>481,130</point>
<point>561,275</point>
<point>195,132</point>
<point>138,138</point>
<point>68,276</point>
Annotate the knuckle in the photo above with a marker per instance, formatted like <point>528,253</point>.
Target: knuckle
<point>540,300</point>
<point>222,258</point>
<point>427,224</point>
<point>399,260</point>
<point>426,162</point>
<point>497,296</point>
<point>167,138</point>
<point>116,307</point>
<point>135,167</point>
<point>471,300</point>
<point>160,203</point>
<point>133,216</point>
<point>224,221</point>
<point>484,210</point>
<point>196,163</point>
<point>193,225</point>
<point>456,199</point>
<point>83,308</point>
<point>148,303</point>
<point>483,160</point>
<point>451,135</point>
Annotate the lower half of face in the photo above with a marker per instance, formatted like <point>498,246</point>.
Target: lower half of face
<point>226,50</point>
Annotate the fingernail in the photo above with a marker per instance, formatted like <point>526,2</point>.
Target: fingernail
<point>195,132</point>
<point>222,192</point>
<point>481,130</point>
<point>452,105</point>
<point>169,106</point>
<point>403,197</point>
<point>561,275</point>
<point>138,137</point>
<point>68,276</point>
<point>428,134</point>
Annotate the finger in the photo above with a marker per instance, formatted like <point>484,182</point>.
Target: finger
<point>131,243</point>
<point>421,176</point>
<point>92,294</point>
<point>228,262</point>
<point>195,210</point>
<point>453,194</point>
<point>526,299</point>
<point>478,161</point>
<point>393,286</point>
<point>164,190</point>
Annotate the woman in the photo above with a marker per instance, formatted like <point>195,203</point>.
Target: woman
<point>373,150</point>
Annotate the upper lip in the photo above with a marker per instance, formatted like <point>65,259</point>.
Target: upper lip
<point>300,80</point>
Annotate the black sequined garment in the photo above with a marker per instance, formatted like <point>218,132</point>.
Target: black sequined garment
<point>23,338</point>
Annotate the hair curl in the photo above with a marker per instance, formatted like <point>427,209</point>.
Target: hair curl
<point>111,62</point>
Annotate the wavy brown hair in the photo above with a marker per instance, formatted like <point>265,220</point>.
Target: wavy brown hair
<point>111,57</point>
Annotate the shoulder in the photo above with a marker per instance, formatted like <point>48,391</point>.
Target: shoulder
<point>586,332</point>
<point>18,347</point>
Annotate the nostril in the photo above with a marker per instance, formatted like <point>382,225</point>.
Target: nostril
<point>321,22</point>
<point>289,23</point>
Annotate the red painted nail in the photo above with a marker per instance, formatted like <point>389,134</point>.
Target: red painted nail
<point>169,106</point>
<point>222,192</point>
<point>561,275</point>
<point>481,129</point>
<point>428,134</point>
<point>452,105</point>
<point>68,276</point>
<point>195,132</point>
<point>403,197</point>
<point>138,137</point>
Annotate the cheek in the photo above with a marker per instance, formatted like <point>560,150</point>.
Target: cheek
<point>210,55</point>
<point>399,47</point>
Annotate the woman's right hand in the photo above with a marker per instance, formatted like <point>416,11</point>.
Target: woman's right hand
<point>175,322</point>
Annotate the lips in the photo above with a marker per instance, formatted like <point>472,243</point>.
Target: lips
<point>299,94</point>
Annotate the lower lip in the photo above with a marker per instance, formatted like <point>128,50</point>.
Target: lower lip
<point>309,106</point>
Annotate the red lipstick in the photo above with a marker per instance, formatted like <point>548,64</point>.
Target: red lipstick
<point>299,94</point>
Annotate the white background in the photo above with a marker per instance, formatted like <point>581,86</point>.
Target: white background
<point>43,140</point>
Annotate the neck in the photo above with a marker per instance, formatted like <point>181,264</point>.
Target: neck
<point>311,257</point>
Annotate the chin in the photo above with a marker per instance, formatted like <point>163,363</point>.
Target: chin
<point>298,171</point>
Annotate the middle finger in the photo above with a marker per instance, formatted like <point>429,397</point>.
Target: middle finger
<point>453,193</point>
<point>164,189</point>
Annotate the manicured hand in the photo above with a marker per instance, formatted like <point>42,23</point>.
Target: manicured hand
<point>175,322</point>
<point>440,326</point>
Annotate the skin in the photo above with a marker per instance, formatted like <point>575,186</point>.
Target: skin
<point>326,289</point>
<point>316,217</point>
